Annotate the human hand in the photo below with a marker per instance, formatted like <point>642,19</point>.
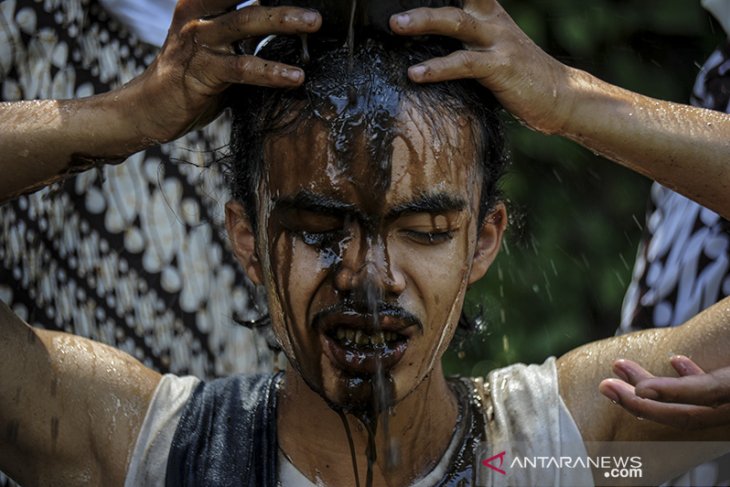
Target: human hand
<point>695,400</point>
<point>529,83</point>
<point>183,87</point>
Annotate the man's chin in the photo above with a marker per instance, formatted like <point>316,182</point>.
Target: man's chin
<point>359,393</point>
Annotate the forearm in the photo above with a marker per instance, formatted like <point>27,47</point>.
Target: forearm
<point>43,141</point>
<point>685,148</point>
<point>705,339</point>
<point>682,147</point>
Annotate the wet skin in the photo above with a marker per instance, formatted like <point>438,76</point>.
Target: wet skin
<point>329,244</point>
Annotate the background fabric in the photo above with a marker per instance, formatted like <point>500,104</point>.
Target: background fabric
<point>132,255</point>
<point>683,262</point>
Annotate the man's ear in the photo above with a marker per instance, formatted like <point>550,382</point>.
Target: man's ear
<point>489,241</point>
<point>243,241</point>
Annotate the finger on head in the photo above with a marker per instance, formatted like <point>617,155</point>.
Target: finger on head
<point>457,65</point>
<point>256,21</point>
<point>252,70</point>
<point>218,71</point>
<point>446,21</point>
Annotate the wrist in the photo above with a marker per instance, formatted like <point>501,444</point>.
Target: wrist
<point>139,125</point>
<point>156,109</point>
<point>574,91</point>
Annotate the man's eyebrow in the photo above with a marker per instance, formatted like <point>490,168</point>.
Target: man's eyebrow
<point>314,202</point>
<point>429,203</point>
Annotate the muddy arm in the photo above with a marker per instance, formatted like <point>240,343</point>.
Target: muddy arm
<point>43,141</point>
<point>684,148</point>
<point>70,408</point>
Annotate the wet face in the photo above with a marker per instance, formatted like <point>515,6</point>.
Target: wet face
<point>365,283</point>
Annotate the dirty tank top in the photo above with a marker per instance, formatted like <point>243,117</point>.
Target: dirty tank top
<point>224,433</point>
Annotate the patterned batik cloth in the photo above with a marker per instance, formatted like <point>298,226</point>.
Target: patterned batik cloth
<point>132,255</point>
<point>683,262</point>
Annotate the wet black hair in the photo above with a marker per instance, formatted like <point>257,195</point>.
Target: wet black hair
<point>366,92</point>
<point>363,90</point>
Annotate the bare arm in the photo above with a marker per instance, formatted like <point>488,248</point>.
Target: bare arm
<point>685,148</point>
<point>70,408</point>
<point>705,339</point>
<point>43,141</point>
<point>682,147</point>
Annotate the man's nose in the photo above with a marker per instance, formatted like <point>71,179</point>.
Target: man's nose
<point>367,265</point>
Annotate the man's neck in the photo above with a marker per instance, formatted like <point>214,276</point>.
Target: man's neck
<point>315,439</point>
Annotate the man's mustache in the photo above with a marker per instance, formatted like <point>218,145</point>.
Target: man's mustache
<point>369,311</point>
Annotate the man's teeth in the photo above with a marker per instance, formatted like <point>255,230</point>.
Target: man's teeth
<point>360,338</point>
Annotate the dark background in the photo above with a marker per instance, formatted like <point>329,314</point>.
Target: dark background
<point>567,262</point>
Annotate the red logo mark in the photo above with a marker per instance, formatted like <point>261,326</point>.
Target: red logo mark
<point>488,462</point>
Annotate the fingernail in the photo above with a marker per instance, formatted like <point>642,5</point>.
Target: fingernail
<point>402,20</point>
<point>310,17</point>
<point>418,71</point>
<point>292,74</point>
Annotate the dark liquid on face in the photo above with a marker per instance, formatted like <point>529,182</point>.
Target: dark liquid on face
<point>378,124</point>
<point>382,390</point>
<point>382,383</point>
<point>369,417</point>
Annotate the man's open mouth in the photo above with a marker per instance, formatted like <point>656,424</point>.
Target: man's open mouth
<point>362,342</point>
<point>361,352</point>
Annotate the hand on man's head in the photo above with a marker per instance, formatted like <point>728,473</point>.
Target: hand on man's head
<point>183,88</point>
<point>529,83</point>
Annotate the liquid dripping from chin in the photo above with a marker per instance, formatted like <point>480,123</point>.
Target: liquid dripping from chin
<point>374,411</point>
<point>370,416</point>
<point>351,445</point>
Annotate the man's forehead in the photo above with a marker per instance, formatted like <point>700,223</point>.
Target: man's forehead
<point>421,160</point>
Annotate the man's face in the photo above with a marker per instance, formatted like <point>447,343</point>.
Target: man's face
<point>363,282</point>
